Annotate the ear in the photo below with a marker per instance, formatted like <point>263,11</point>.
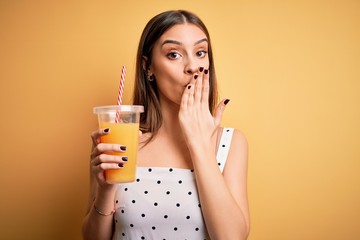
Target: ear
<point>145,63</point>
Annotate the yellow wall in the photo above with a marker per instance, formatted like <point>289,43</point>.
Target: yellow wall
<point>290,68</point>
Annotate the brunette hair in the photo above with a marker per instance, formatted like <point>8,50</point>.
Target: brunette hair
<point>145,91</point>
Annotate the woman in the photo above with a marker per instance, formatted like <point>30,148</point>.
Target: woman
<point>191,172</point>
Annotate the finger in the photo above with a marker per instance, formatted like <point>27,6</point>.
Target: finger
<point>107,147</point>
<point>191,92</point>
<point>198,87</point>
<point>185,97</point>
<point>100,168</point>
<point>219,111</point>
<point>205,88</point>
<point>109,159</point>
<point>95,135</point>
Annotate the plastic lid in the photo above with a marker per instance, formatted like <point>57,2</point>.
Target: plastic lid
<point>120,108</point>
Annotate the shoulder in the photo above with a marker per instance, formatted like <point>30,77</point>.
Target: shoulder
<point>238,152</point>
<point>238,140</point>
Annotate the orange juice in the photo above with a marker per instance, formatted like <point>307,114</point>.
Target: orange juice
<point>126,134</point>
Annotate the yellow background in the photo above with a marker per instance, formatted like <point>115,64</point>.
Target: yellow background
<point>290,68</point>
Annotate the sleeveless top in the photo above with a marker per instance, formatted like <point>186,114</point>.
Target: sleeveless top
<point>163,202</point>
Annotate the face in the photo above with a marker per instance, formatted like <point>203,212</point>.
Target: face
<point>176,57</point>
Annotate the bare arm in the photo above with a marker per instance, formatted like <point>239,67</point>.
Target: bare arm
<point>96,226</point>
<point>223,197</point>
<point>98,223</point>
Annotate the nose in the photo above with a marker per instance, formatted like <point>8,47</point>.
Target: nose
<point>191,66</point>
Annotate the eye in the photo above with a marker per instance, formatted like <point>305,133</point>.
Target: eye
<point>201,53</point>
<point>173,55</point>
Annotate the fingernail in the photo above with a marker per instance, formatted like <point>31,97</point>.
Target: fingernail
<point>201,69</point>
<point>196,76</point>
<point>226,101</point>
<point>123,148</point>
<point>106,130</point>
<point>206,71</point>
<point>121,165</point>
<point>189,86</point>
<point>124,159</point>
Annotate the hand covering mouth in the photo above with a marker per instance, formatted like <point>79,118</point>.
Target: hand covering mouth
<point>186,85</point>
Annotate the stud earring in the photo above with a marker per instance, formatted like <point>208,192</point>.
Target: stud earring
<point>150,77</point>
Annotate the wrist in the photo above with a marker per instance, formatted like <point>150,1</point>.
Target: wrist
<point>202,150</point>
<point>202,145</point>
<point>106,189</point>
<point>102,213</point>
<point>103,203</point>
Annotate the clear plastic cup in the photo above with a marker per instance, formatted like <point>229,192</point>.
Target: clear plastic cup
<point>123,122</point>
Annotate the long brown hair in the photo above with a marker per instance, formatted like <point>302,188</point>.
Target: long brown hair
<point>145,91</point>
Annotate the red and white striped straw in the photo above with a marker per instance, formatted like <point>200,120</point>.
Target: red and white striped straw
<point>121,90</point>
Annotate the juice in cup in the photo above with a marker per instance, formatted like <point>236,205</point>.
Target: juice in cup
<point>125,134</point>
<point>123,122</point>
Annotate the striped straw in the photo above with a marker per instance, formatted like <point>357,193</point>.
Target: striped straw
<point>121,90</point>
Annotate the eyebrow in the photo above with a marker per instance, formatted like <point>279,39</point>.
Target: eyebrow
<point>169,41</point>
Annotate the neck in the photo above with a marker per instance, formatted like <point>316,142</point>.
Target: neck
<point>171,126</point>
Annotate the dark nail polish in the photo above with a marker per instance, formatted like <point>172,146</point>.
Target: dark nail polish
<point>106,130</point>
<point>196,76</point>
<point>206,71</point>
<point>226,101</point>
<point>201,69</point>
<point>189,86</point>
<point>121,165</point>
<point>124,159</point>
<point>123,148</point>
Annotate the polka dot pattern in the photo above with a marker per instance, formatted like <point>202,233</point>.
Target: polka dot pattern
<point>162,203</point>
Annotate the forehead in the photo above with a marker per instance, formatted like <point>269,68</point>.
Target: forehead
<point>183,32</point>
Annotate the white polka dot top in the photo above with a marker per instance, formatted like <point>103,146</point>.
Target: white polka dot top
<point>163,202</point>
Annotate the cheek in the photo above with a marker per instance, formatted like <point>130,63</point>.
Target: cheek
<point>161,68</point>
<point>169,74</point>
<point>206,63</point>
